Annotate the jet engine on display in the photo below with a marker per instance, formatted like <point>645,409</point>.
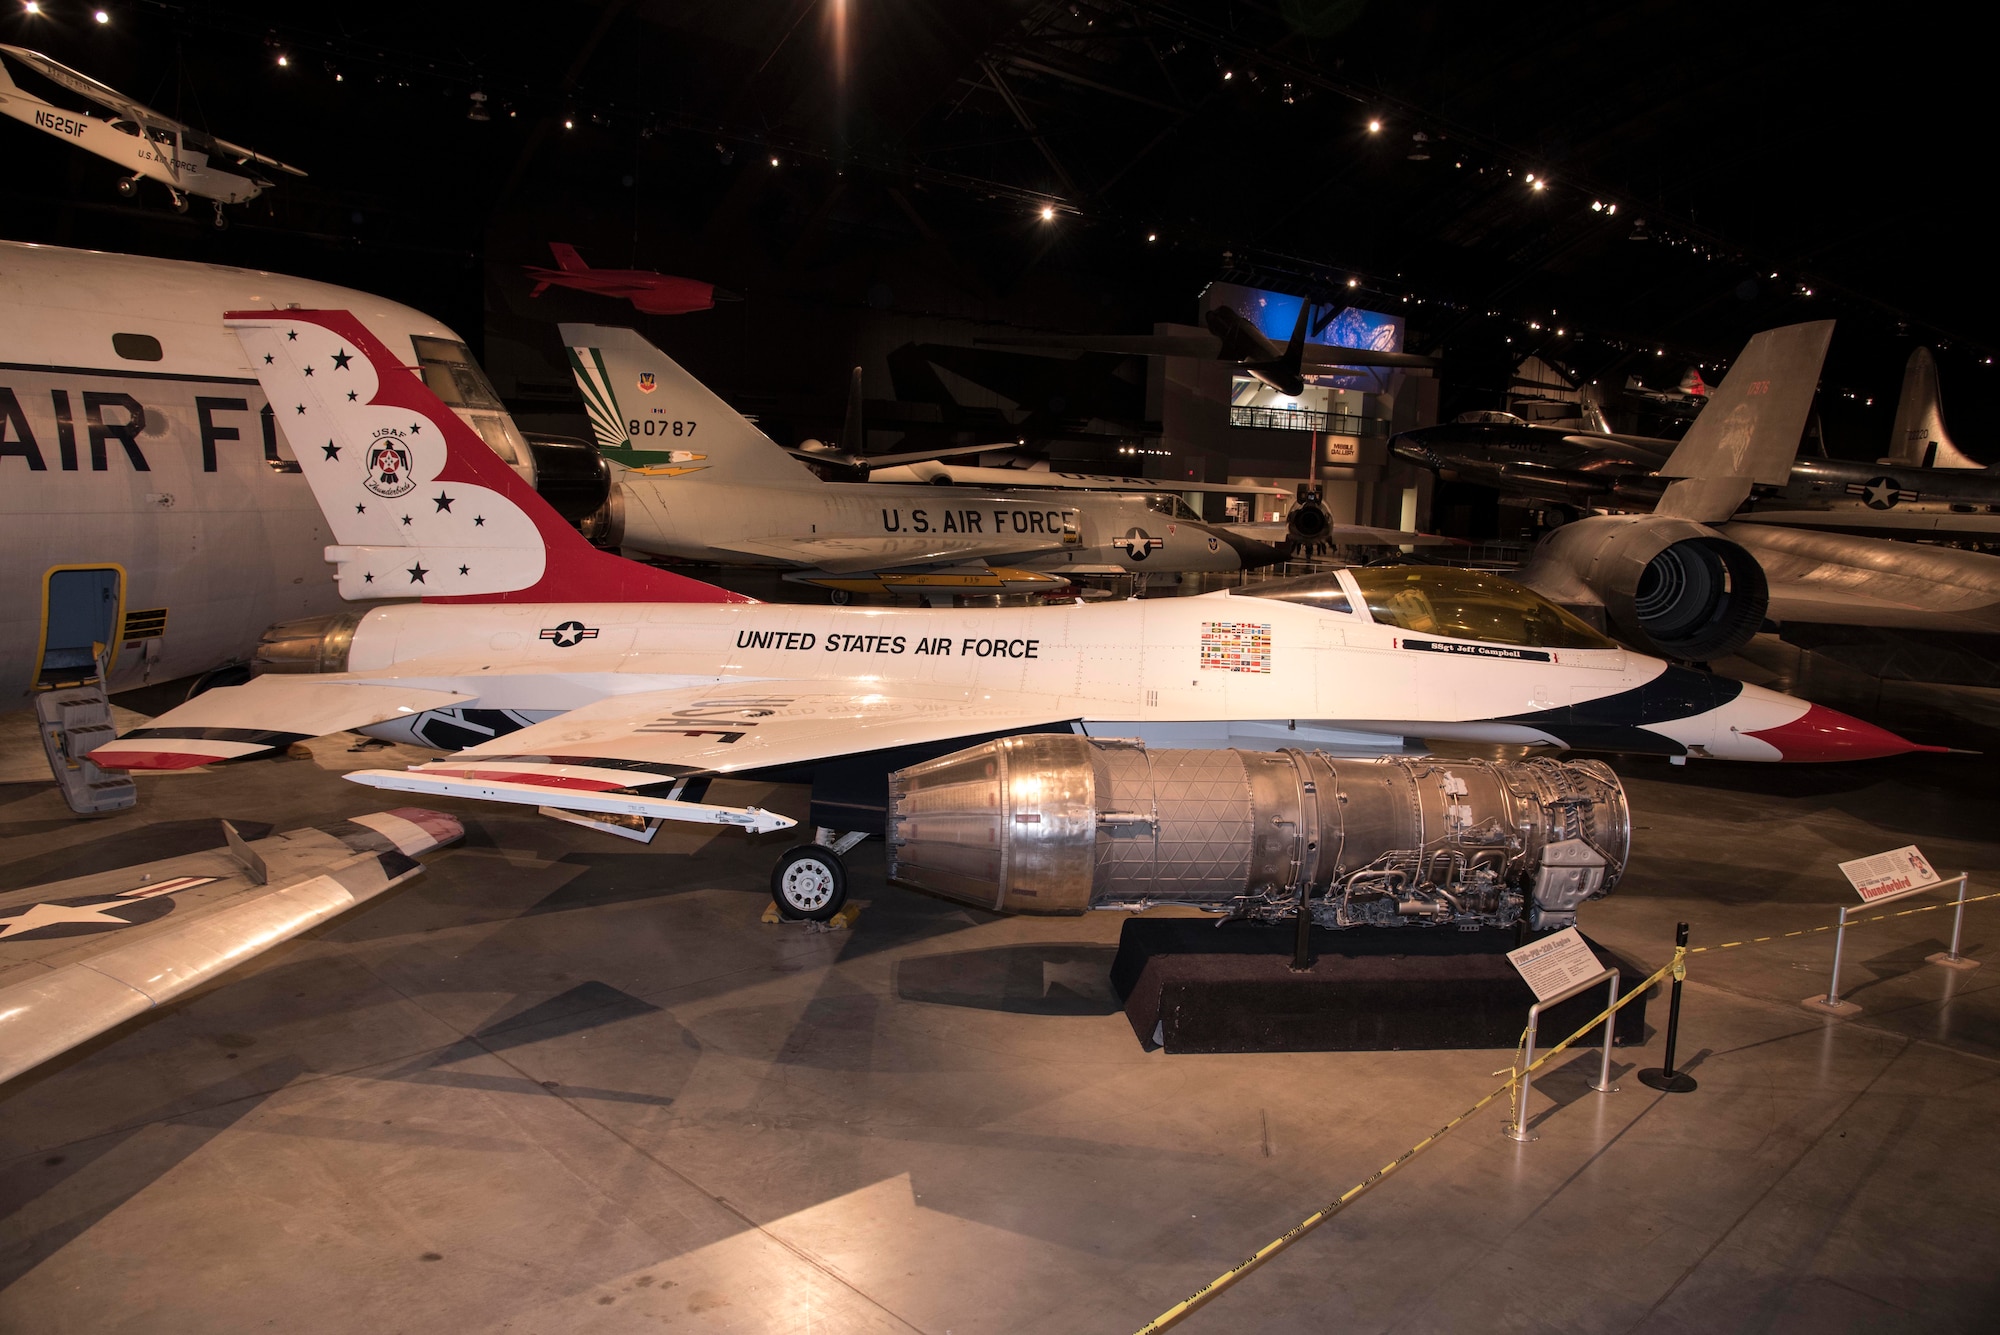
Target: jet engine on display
<point>1055,824</point>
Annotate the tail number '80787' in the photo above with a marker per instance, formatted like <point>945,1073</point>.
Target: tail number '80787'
<point>657,426</point>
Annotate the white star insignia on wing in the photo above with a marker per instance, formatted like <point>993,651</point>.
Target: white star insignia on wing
<point>48,915</point>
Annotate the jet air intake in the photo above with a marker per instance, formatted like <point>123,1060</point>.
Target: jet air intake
<point>1052,823</point>
<point>1667,586</point>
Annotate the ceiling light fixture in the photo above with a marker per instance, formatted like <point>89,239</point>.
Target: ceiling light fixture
<point>1048,213</point>
<point>101,16</point>
<point>1374,127</point>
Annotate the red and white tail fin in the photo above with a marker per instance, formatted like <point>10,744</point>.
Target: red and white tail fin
<point>417,503</point>
<point>567,259</point>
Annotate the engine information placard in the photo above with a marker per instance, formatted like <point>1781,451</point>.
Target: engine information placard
<point>1555,964</point>
<point>1236,646</point>
<point>1890,873</point>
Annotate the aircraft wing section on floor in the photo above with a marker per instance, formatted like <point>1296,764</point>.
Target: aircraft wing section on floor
<point>1356,535</point>
<point>80,956</point>
<point>649,753</point>
<point>1843,580</point>
<point>264,714</point>
<point>842,556</point>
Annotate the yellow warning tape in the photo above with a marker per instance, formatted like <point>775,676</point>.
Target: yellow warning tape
<point>1832,927</point>
<point>1207,1292</point>
<point>1677,967</point>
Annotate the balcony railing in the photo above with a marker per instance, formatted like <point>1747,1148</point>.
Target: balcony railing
<point>1307,419</point>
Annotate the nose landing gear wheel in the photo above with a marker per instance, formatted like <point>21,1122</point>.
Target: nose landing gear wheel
<point>810,881</point>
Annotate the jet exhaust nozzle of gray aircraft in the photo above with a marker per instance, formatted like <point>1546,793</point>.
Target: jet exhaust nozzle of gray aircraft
<point>1667,586</point>
<point>1055,823</point>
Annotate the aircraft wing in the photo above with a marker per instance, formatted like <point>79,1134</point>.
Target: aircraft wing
<point>248,155</point>
<point>890,460</point>
<point>80,956</point>
<point>84,86</point>
<point>1047,480</point>
<point>849,556</point>
<point>1847,580</point>
<point>265,714</point>
<point>1205,346</point>
<point>1347,535</point>
<point>638,754</point>
<point>1326,354</point>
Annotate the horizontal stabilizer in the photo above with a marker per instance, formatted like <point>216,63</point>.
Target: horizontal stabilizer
<point>266,713</point>
<point>846,556</point>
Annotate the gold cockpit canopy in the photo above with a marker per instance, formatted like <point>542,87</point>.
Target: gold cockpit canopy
<point>1443,601</point>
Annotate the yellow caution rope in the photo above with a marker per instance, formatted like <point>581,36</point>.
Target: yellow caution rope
<point>1201,1296</point>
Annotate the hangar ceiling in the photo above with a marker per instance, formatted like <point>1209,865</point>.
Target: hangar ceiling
<point>838,147</point>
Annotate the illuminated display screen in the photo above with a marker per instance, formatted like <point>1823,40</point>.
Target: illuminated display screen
<point>1275,313</point>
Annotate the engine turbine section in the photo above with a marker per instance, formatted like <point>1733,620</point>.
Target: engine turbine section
<point>1051,823</point>
<point>1670,587</point>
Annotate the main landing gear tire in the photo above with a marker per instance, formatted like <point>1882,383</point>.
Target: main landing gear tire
<point>810,882</point>
<point>841,598</point>
<point>128,186</point>
<point>179,202</point>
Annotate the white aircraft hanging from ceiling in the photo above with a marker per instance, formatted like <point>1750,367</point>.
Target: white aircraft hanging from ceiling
<point>586,683</point>
<point>152,517</point>
<point>711,487</point>
<point>153,145</point>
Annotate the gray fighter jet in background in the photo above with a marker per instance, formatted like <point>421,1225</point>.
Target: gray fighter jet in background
<point>699,482</point>
<point>1685,582</point>
<point>1923,488</point>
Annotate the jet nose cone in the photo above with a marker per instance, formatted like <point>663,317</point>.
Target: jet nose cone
<point>1822,734</point>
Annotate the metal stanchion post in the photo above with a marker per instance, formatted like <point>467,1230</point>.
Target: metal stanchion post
<point>1831,1001</point>
<point>1951,959</point>
<point>1602,1081</point>
<point>1518,1128</point>
<point>1665,1078</point>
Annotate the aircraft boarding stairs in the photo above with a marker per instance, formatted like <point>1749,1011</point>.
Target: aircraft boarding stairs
<point>74,720</point>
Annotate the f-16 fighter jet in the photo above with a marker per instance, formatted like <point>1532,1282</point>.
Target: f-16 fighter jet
<point>155,146</point>
<point>604,686</point>
<point>82,955</point>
